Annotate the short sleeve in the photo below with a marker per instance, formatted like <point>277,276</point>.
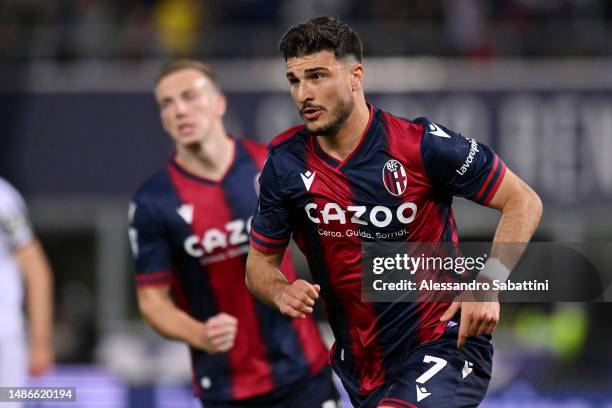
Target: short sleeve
<point>461,166</point>
<point>14,219</point>
<point>150,246</point>
<point>271,226</point>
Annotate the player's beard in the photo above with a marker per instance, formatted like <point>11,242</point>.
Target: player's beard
<point>340,114</point>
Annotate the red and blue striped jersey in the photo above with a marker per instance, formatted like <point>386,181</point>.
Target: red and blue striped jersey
<point>397,185</point>
<point>193,234</point>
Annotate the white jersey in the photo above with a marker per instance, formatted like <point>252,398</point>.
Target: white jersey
<point>15,232</point>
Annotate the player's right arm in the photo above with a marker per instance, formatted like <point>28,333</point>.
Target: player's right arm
<point>152,252</point>
<point>216,335</point>
<point>265,281</point>
<point>270,232</point>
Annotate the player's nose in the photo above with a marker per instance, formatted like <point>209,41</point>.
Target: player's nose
<point>304,92</point>
<point>180,109</point>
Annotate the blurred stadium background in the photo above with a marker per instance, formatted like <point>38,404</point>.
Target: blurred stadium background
<point>532,78</point>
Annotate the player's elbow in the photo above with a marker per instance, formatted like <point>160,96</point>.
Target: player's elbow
<point>528,202</point>
<point>249,276</point>
<point>151,303</point>
<point>146,308</point>
<point>153,315</point>
<point>533,204</point>
<point>536,205</point>
<point>247,282</point>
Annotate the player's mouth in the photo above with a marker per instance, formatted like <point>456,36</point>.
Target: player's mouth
<point>311,113</point>
<point>186,128</point>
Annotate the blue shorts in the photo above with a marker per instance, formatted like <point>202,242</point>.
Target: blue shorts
<point>318,391</point>
<point>436,374</point>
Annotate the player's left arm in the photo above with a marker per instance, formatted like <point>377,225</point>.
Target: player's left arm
<point>39,304</point>
<point>32,261</point>
<point>467,168</point>
<point>521,210</point>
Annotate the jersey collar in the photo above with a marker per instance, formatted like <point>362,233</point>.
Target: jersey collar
<point>355,154</point>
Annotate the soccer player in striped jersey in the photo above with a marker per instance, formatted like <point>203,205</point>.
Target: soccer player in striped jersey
<point>354,173</point>
<point>190,237</point>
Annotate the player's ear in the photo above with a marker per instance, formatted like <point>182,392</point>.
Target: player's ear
<point>357,76</point>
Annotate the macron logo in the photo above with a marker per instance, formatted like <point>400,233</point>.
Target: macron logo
<point>421,393</point>
<point>435,130</point>
<point>186,212</point>
<point>308,178</point>
<point>467,369</point>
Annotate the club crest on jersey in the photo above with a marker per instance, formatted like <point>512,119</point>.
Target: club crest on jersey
<point>394,177</point>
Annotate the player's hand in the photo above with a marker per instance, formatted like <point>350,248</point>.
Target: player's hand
<point>476,317</point>
<point>41,358</point>
<point>298,299</point>
<point>220,333</point>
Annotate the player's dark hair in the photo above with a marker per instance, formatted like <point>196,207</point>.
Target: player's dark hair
<point>181,64</point>
<point>318,34</point>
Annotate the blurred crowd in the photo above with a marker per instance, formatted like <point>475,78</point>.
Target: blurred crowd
<point>134,29</point>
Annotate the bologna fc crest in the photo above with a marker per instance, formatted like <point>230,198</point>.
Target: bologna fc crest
<point>394,177</point>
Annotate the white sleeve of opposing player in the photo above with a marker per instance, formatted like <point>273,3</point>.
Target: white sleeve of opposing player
<point>14,219</point>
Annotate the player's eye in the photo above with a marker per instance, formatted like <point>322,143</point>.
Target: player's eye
<point>190,95</point>
<point>317,75</point>
<point>293,81</point>
<point>165,104</point>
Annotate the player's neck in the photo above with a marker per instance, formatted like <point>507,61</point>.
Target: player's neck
<point>343,143</point>
<point>210,159</point>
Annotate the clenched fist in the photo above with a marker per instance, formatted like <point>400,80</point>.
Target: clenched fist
<point>219,333</point>
<point>297,299</point>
